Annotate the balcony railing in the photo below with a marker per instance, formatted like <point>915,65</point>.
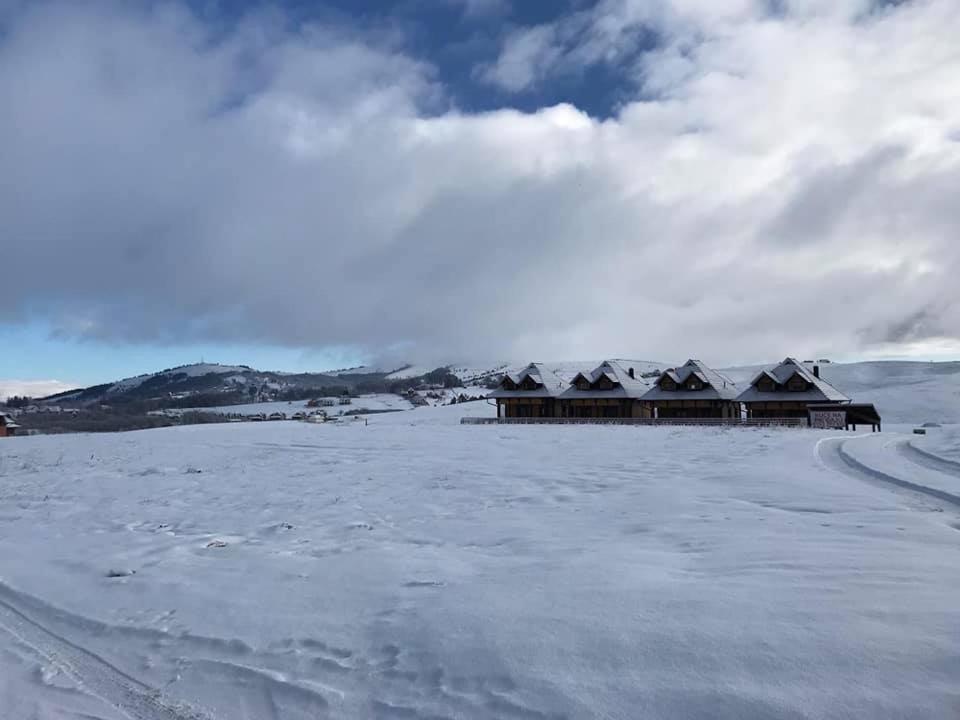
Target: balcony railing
<point>723,422</point>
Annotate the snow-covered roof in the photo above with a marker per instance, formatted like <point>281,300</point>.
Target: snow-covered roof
<point>549,384</point>
<point>624,385</point>
<point>820,390</point>
<point>716,385</point>
<point>6,419</point>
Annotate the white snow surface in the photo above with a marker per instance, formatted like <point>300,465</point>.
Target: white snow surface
<point>413,567</point>
<point>376,402</point>
<point>409,372</point>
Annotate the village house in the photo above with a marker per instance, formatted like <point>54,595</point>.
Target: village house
<point>787,391</point>
<point>692,391</point>
<point>8,427</point>
<point>531,393</point>
<point>608,391</point>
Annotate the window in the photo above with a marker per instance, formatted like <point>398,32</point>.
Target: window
<point>694,384</point>
<point>667,383</point>
<point>765,384</point>
<point>529,384</point>
<point>797,384</point>
<point>583,383</point>
<point>508,384</point>
<point>604,383</point>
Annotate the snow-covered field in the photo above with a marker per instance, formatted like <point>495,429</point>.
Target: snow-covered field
<point>378,402</point>
<point>413,567</point>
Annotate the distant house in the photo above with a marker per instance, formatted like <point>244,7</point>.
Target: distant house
<point>531,393</point>
<point>609,391</point>
<point>693,391</point>
<point>787,391</point>
<point>8,427</point>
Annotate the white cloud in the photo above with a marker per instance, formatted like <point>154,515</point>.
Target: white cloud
<point>526,58</point>
<point>32,388</point>
<point>790,190</point>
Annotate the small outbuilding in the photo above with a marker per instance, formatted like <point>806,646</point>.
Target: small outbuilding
<point>844,416</point>
<point>8,427</point>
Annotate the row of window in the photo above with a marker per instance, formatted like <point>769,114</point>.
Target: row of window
<point>764,384</point>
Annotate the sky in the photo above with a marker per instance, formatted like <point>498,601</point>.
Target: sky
<point>306,185</point>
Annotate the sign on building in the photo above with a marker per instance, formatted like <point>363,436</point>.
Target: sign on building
<point>828,419</point>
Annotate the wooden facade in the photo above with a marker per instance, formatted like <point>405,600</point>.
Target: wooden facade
<point>603,408</point>
<point>8,428</point>
<point>777,409</point>
<point>521,407</point>
<point>693,409</point>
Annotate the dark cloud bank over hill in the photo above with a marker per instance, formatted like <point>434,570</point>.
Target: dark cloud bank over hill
<point>771,183</point>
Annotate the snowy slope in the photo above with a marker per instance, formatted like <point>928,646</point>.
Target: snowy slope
<point>413,568</point>
<point>197,370</point>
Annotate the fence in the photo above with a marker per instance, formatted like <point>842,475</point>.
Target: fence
<point>723,422</point>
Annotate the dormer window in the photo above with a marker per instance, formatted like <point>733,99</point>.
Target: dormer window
<point>508,384</point>
<point>694,384</point>
<point>529,384</point>
<point>667,383</point>
<point>766,384</point>
<point>604,383</point>
<point>797,384</point>
<point>582,383</point>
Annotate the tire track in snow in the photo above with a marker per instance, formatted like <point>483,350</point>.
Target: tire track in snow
<point>927,459</point>
<point>89,672</point>
<point>839,459</point>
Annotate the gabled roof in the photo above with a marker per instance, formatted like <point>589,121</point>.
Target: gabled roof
<point>718,386</point>
<point>551,385</point>
<point>820,390</point>
<point>6,419</point>
<point>624,385</point>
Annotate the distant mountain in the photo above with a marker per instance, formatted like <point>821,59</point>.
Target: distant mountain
<point>209,384</point>
<point>223,384</point>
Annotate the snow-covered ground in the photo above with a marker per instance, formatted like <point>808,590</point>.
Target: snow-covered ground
<point>375,402</point>
<point>413,567</point>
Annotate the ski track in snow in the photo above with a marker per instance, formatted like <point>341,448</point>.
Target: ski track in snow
<point>92,674</point>
<point>259,675</point>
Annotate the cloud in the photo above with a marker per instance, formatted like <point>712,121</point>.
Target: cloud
<point>780,182</point>
<point>32,388</point>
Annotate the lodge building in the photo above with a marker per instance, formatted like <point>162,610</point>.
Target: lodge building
<point>787,391</point>
<point>615,390</point>
<point>693,391</point>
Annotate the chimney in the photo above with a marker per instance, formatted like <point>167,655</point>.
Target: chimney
<point>631,374</point>
<point>816,371</point>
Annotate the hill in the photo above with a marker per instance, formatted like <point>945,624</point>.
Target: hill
<point>904,391</point>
